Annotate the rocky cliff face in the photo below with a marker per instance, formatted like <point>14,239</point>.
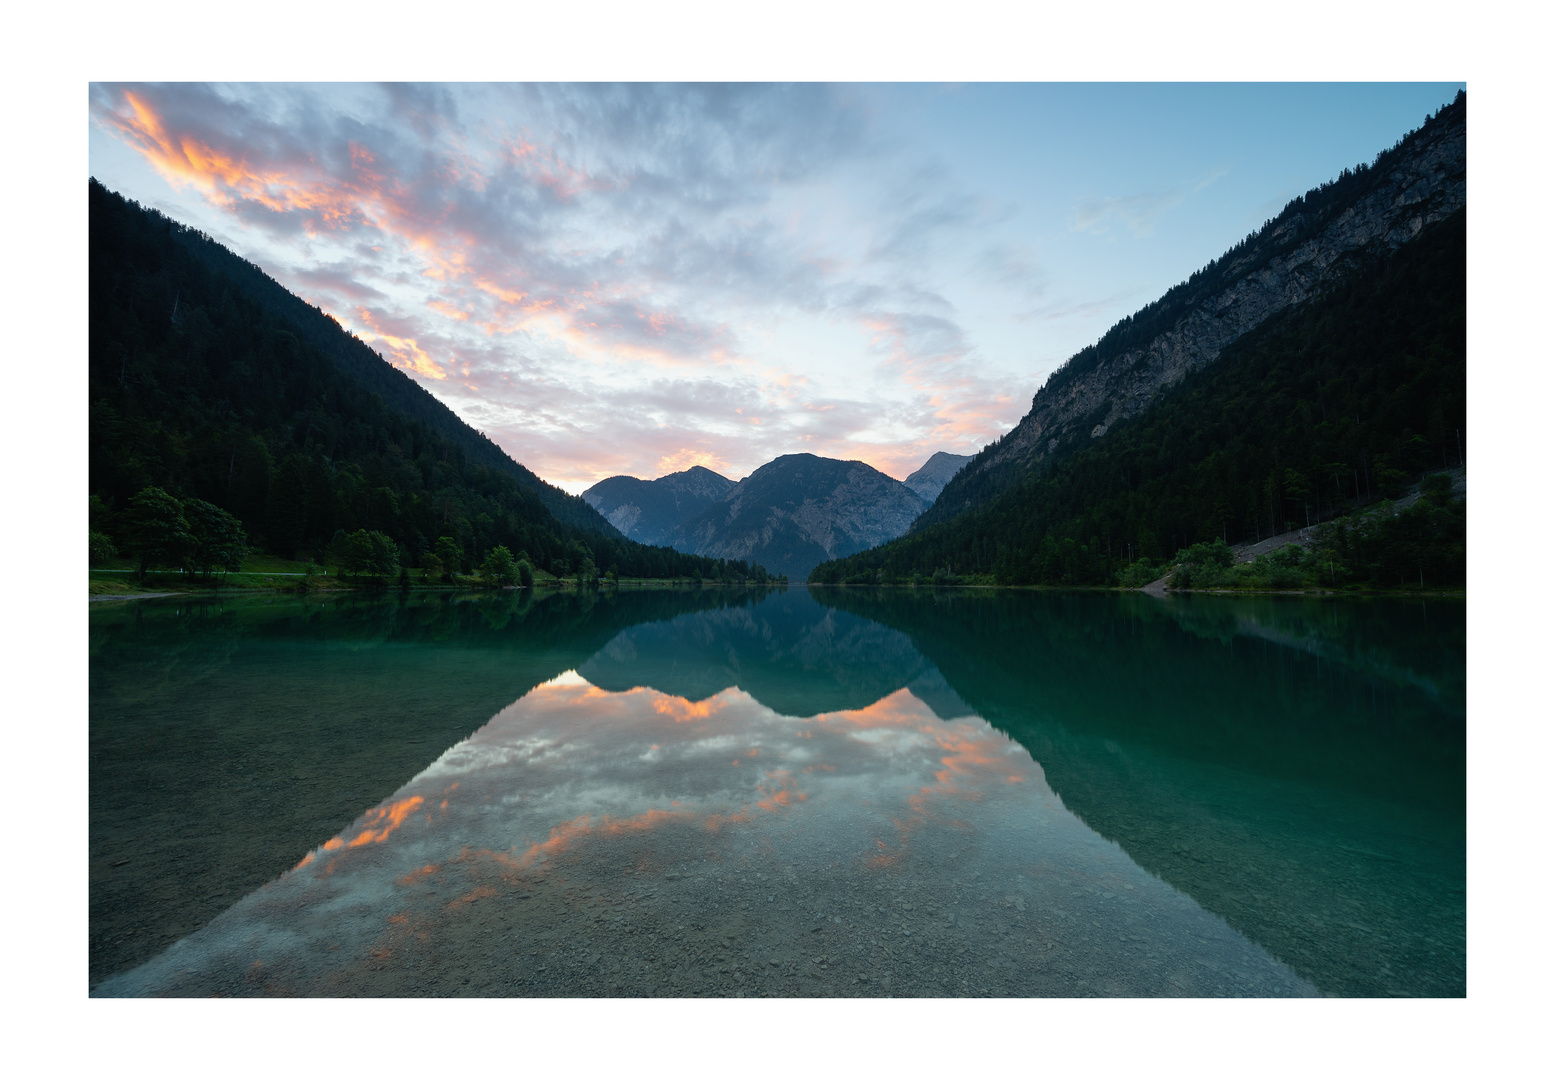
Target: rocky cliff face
<point>934,474</point>
<point>648,510</point>
<point>1314,241</point>
<point>799,510</point>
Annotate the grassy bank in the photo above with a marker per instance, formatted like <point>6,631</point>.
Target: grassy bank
<point>117,577</point>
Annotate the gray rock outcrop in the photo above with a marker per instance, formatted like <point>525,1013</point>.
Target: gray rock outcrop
<point>932,476</point>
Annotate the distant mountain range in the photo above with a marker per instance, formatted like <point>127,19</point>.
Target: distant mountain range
<point>789,515</point>
<point>799,510</point>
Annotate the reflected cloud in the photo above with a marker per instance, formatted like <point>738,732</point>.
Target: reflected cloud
<point>562,818</point>
<point>618,763</point>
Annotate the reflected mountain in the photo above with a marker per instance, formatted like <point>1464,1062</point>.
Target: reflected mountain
<point>1296,766</point>
<point>792,654</point>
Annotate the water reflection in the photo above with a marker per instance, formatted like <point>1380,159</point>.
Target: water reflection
<point>265,724</point>
<point>1296,765</point>
<point>853,793</point>
<point>588,841</point>
<point>794,655</point>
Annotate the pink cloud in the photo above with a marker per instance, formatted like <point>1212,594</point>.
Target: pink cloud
<point>579,273</point>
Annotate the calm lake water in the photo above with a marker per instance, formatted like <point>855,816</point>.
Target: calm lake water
<point>791,792</point>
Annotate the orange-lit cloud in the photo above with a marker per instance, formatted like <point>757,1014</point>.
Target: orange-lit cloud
<point>404,352</point>
<point>449,311</point>
<point>419,874</point>
<point>971,755</point>
<point>568,833</point>
<point>383,820</point>
<point>480,892</point>
<point>683,459</point>
<point>778,791</point>
<point>226,176</point>
<point>682,711</point>
<point>377,824</point>
<point>500,248</point>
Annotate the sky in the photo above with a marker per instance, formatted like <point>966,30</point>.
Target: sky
<point>639,278</point>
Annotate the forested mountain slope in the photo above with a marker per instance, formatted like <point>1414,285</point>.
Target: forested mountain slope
<point>357,359</point>
<point>275,414</point>
<point>1325,406</point>
<point>1316,241</point>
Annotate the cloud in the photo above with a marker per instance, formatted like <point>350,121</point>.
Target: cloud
<point>1012,266</point>
<point>341,283</point>
<point>1137,213</point>
<point>599,275</point>
<point>1071,309</point>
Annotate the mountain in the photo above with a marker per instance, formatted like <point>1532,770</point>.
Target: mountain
<point>648,510</point>
<point>399,391</point>
<point>1316,367</point>
<point>1324,408</point>
<point>207,379</point>
<point>800,510</point>
<point>1317,241</point>
<point>931,478</point>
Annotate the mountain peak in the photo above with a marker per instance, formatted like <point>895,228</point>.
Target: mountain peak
<point>932,476</point>
<point>648,510</point>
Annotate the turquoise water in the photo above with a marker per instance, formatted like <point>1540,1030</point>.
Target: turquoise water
<point>717,792</point>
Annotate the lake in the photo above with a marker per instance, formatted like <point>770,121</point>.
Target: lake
<point>784,792</point>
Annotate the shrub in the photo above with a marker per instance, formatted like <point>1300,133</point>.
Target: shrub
<point>1139,574</point>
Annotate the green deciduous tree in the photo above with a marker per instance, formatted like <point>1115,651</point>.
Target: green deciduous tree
<point>370,554</point>
<point>219,541</point>
<point>100,549</point>
<point>447,549</point>
<point>499,567</point>
<point>385,557</point>
<point>158,533</point>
